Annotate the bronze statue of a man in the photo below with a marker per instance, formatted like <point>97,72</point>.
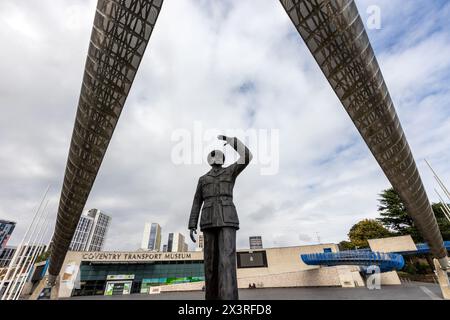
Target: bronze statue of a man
<point>219,221</point>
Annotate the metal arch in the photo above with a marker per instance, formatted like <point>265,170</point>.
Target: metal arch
<point>335,35</point>
<point>121,31</point>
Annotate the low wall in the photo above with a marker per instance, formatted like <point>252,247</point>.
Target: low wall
<point>390,278</point>
<point>321,277</point>
<point>341,276</point>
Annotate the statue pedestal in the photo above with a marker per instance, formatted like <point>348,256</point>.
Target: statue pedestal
<point>442,279</point>
<point>37,291</point>
<point>43,285</point>
<point>54,295</point>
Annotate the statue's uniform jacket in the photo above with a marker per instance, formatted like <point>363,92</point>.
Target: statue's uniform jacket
<point>215,192</point>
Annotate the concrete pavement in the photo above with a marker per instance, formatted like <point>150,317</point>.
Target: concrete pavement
<point>410,291</point>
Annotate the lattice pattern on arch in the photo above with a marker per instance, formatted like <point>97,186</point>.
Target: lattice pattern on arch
<point>335,35</point>
<point>121,31</point>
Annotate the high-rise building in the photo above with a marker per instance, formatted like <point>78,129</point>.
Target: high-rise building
<point>146,236</point>
<point>200,242</point>
<point>178,243</point>
<point>6,229</point>
<point>99,230</point>
<point>175,242</point>
<point>82,233</point>
<point>151,239</point>
<point>6,255</point>
<point>8,252</point>
<point>256,242</point>
<point>164,248</point>
<point>170,242</point>
<point>91,231</point>
<point>185,247</point>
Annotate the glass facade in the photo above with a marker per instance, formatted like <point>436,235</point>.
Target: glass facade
<point>93,275</point>
<point>154,242</point>
<point>170,242</point>
<point>6,229</point>
<point>80,238</point>
<point>99,231</point>
<point>91,231</point>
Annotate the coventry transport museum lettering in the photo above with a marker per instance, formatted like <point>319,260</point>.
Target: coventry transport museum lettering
<point>111,256</point>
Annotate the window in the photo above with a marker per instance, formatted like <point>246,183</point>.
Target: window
<point>256,259</point>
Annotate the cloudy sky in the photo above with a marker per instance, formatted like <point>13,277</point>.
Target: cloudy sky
<point>223,65</point>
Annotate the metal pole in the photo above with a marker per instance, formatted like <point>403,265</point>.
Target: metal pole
<point>16,253</point>
<point>23,259</point>
<point>28,261</point>
<point>37,250</point>
<point>26,252</point>
<point>445,207</point>
<point>439,181</point>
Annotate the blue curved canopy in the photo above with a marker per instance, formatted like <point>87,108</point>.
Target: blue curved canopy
<point>385,261</point>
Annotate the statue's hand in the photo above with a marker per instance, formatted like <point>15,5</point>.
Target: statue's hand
<point>225,138</point>
<point>193,231</point>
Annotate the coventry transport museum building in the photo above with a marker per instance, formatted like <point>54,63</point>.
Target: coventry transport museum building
<point>118,272</point>
<point>112,273</point>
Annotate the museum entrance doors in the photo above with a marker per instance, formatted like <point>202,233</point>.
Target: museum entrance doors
<point>115,288</point>
<point>118,284</point>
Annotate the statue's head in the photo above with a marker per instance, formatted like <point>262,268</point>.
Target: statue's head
<point>216,158</point>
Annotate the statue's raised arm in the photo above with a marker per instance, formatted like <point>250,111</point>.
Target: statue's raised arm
<point>244,153</point>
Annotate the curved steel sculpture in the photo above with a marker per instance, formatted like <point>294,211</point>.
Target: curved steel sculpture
<point>121,31</point>
<point>335,35</point>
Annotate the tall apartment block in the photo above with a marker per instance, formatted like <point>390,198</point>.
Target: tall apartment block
<point>151,239</point>
<point>91,231</point>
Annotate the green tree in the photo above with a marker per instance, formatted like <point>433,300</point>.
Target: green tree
<point>365,230</point>
<point>393,212</point>
<point>43,256</point>
<point>395,217</point>
<point>346,245</point>
<point>443,223</point>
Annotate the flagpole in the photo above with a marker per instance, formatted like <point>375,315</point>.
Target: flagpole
<point>38,249</point>
<point>439,181</point>
<point>34,247</point>
<point>16,253</point>
<point>26,251</point>
<point>445,207</point>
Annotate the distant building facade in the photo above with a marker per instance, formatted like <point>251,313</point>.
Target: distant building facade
<point>8,252</point>
<point>6,255</point>
<point>151,239</point>
<point>170,242</point>
<point>99,230</point>
<point>6,229</point>
<point>200,242</point>
<point>256,242</point>
<point>178,243</point>
<point>82,232</point>
<point>175,242</point>
<point>91,231</point>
